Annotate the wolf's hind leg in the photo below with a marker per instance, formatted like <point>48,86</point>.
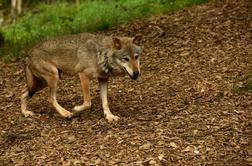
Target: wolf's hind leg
<point>52,81</point>
<point>24,110</point>
<point>86,93</point>
<point>33,85</point>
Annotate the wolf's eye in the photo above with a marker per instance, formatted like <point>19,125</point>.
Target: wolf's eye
<point>137,56</point>
<point>126,59</point>
<point>138,50</point>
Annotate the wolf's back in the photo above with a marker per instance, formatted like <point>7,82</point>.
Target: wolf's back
<point>68,42</point>
<point>65,52</point>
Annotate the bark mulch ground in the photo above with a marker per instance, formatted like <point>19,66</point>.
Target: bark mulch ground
<point>188,107</point>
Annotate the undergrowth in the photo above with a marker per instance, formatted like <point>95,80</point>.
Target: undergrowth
<point>241,83</point>
<point>62,18</point>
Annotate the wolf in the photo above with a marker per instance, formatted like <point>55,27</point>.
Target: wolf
<point>88,55</point>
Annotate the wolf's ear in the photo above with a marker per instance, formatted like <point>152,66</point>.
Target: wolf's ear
<point>117,43</point>
<point>137,39</point>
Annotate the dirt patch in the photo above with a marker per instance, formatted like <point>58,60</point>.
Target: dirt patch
<point>182,111</point>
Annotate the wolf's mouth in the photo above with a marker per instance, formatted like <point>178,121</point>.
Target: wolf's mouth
<point>134,77</point>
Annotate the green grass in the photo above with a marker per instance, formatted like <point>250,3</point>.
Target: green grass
<point>247,85</point>
<point>242,83</point>
<point>63,18</point>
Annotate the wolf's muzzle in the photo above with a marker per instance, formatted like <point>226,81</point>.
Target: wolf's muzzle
<point>135,75</point>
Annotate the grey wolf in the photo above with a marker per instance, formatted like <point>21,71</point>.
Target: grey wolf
<point>90,56</point>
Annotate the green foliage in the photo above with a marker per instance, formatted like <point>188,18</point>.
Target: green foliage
<point>66,18</point>
<point>247,85</point>
<point>242,83</point>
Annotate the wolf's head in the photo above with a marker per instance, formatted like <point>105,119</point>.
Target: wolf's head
<point>127,54</point>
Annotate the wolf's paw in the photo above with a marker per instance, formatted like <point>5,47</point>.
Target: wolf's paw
<point>112,118</point>
<point>82,107</point>
<point>27,113</point>
<point>67,114</point>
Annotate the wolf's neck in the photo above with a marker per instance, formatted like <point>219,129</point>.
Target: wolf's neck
<point>105,61</point>
<point>115,69</point>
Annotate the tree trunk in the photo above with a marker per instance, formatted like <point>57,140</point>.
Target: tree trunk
<point>16,9</point>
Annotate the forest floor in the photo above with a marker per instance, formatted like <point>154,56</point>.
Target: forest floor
<point>187,108</point>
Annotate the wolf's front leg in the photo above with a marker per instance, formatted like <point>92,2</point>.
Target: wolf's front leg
<point>104,92</point>
<point>85,92</point>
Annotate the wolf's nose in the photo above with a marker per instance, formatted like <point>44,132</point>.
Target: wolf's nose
<point>136,73</point>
